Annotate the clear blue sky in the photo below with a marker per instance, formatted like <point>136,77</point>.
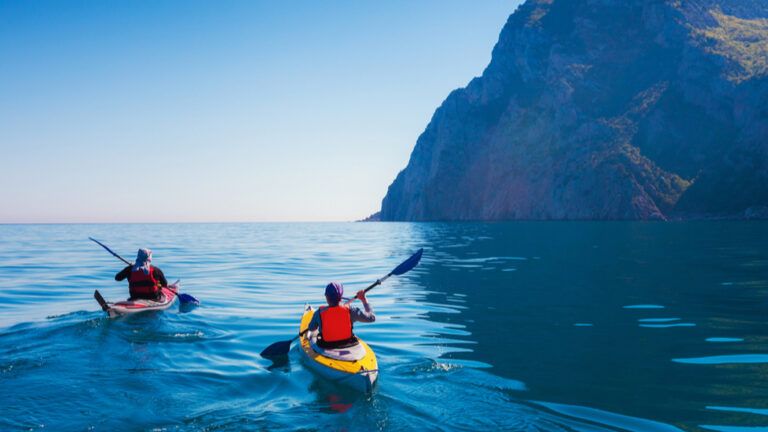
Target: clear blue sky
<point>175,111</point>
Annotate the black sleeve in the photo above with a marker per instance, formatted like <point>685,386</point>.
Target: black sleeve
<point>160,277</point>
<point>123,274</point>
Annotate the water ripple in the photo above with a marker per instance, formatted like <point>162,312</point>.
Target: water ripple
<point>725,359</point>
<point>496,318</point>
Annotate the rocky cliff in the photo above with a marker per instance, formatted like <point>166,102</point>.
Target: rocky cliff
<point>603,109</point>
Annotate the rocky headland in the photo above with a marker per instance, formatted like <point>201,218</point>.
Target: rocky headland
<point>603,109</point>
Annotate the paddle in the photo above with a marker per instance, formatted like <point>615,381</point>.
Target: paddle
<point>183,298</point>
<point>281,348</point>
<point>110,251</point>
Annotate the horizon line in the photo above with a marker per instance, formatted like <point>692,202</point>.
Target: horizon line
<point>179,222</point>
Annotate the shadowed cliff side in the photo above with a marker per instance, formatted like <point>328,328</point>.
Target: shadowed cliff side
<point>603,109</point>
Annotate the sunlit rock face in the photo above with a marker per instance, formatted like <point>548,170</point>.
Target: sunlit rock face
<point>603,109</point>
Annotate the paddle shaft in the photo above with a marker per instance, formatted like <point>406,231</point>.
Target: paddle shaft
<point>110,251</point>
<point>372,286</point>
<point>378,282</point>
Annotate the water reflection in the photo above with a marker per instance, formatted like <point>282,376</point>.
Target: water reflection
<point>724,340</point>
<point>550,279</point>
<point>725,359</point>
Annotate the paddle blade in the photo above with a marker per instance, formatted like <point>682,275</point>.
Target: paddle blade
<point>100,299</point>
<point>408,264</point>
<point>277,349</point>
<point>188,299</point>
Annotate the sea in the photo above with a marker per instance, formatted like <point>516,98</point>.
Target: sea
<point>514,326</point>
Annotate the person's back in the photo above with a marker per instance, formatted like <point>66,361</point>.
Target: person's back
<point>335,321</point>
<point>145,281</point>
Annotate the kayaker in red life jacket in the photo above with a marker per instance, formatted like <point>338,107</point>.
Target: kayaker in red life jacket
<point>335,320</point>
<point>144,279</point>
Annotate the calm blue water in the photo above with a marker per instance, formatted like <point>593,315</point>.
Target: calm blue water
<point>516,326</point>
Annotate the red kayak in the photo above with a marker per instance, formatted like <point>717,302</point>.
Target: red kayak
<point>167,298</point>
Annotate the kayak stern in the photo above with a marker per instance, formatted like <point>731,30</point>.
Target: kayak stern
<point>359,374</point>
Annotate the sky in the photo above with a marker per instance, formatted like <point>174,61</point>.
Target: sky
<point>203,111</point>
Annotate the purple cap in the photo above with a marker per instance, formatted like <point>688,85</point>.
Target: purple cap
<point>334,291</point>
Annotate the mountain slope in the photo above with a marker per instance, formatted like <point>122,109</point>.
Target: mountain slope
<point>603,109</point>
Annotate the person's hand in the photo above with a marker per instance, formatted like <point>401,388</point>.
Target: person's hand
<point>361,295</point>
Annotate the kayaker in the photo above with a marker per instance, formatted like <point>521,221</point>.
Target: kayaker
<point>335,320</point>
<point>144,279</point>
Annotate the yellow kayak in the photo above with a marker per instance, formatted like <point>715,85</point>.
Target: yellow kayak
<point>355,367</point>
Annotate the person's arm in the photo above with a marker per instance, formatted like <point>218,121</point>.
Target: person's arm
<point>314,323</point>
<point>366,315</point>
<point>160,277</point>
<point>124,273</point>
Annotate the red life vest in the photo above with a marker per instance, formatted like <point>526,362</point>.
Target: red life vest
<point>143,285</point>
<point>336,324</point>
